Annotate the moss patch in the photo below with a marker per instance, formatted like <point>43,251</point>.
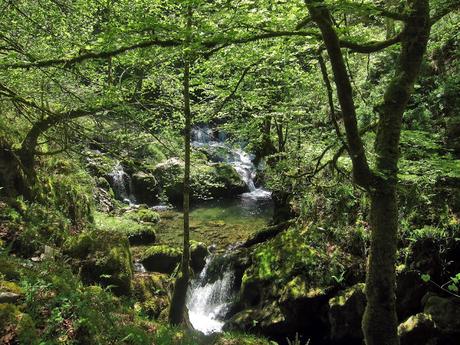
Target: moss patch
<point>102,257</point>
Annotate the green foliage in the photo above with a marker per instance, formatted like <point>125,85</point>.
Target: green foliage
<point>67,312</point>
<point>298,252</point>
<point>144,215</point>
<point>102,257</point>
<point>123,224</point>
<point>137,225</point>
<point>31,226</point>
<point>169,335</point>
<point>17,325</point>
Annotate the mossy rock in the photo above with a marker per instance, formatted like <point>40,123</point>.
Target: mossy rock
<point>305,306</point>
<point>137,225</point>
<point>198,254</point>
<point>241,339</point>
<point>346,310</point>
<point>161,258</point>
<point>102,257</point>
<point>169,175</point>
<point>151,291</point>
<point>146,186</point>
<point>146,235</point>
<point>16,327</point>
<point>208,180</point>
<point>10,292</point>
<point>445,313</point>
<point>230,181</point>
<point>100,165</point>
<point>268,320</point>
<point>144,215</point>
<point>410,289</point>
<point>418,329</point>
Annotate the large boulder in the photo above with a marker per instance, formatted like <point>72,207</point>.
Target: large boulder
<point>424,256</point>
<point>164,259</point>
<point>102,257</point>
<point>445,313</point>
<point>418,329</point>
<point>146,187</point>
<point>228,182</point>
<point>346,310</point>
<point>161,258</point>
<point>410,290</point>
<point>169,175</point>
<point>208,180</point>
<point>268,320</point>
<point>10,292</point>
<point>296,308</point>
<point>305,307</point>
<point>143,236</point>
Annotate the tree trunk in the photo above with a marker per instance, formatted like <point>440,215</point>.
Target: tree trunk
<point>380,320</point>
<point>177,309</point>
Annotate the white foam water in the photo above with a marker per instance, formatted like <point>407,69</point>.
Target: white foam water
<point>207,303</point>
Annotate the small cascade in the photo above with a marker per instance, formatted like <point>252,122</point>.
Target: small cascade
<point>209,301</point>
<point>121,185</point>
<point>202,135</point>
<point>239,159</point>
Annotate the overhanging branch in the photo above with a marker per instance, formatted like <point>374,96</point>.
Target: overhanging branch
<point>91,55</point>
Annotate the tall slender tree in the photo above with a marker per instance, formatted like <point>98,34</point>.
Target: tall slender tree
<point>176,313</point>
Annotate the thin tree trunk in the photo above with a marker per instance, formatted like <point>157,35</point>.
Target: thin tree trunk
<point>177,310</point>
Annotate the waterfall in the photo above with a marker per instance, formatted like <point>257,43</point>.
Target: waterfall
<point>121,185</point>
<point>238,158</point>
<point>209,301</point>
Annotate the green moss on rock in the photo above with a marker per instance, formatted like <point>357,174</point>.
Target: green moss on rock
<point>130,224</point>
<point>161,258</point>
<point>198,253</point>
<point>102,257</point>
<point>418,329</point>
<point>208,180</point>
<point>151,292</point>
<point>346,310</point>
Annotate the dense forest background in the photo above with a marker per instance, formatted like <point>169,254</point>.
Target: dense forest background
<point>311,148</point>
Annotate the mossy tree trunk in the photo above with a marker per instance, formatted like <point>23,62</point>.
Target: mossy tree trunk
<point>23,165</point>
<point>380,321</point>
<point>177,309</point>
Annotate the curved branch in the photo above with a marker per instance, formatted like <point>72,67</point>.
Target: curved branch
<point>91,55</point>
<point>361,170</point>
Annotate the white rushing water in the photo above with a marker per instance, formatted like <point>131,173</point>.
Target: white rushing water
<point>207,303</point>
<point>121,185</point>
<point>238,158</point>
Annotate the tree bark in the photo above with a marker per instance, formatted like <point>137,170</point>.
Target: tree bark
<point>380,320</point>
<point>177,309</point>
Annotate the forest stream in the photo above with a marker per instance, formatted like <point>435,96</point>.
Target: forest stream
<point>222,224</point>
<point>230,172</point>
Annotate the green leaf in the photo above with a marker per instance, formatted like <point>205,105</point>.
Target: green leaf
<point>453,288</point>
<point>426,278</point>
